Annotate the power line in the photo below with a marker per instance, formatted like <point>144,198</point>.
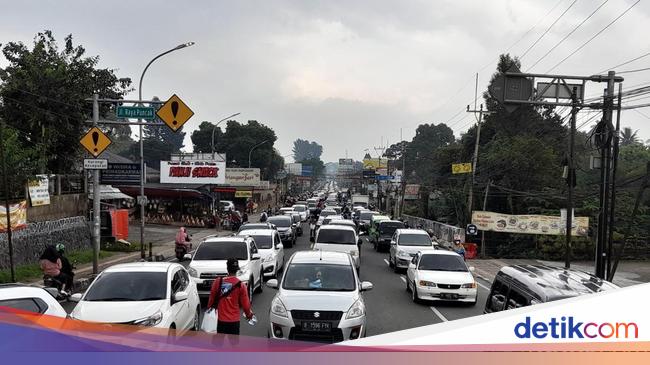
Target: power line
<point>625,63</point>
<point>632,71</point>
<point>548,29</point>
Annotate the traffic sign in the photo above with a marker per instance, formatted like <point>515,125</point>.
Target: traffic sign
<point>139,112</point>
<point>95,163</point>
<point>461,168</point>
<point>174,113</point>
<point>95,141</point>
<point>471,230</point>
<point>142,200</point>
<point>385,177</point>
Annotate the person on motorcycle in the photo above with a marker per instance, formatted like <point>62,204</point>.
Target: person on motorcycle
<point>263,217</point>
<point>182,241</point>
<point>51,264</point>
<point>66,267</point>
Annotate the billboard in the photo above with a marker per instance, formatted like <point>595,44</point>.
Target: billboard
<point>242,176</point>
<point>375,163</point>
<point>345,161</point>
<point>307,170</point>
<point>293,168</point>
<point>528,224</point>
<point>39,191</point>
<point>411,191</point>
<point>120,174</point>
<point>17,215</point>
<point>192,172</point>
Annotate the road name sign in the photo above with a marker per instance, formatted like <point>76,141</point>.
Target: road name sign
<point>136,112</point>
<point>174,113</point>
<point>95,163</point>
<point>95,141</point>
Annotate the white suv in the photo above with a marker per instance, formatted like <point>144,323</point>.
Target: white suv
<point>338,239</point>
<point>405,244</point>
<point>209,262</point>
<point>319,299</point>
<point>270,247</point>
<point>302,210</point>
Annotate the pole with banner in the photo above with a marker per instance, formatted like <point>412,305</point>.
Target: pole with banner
<point>96,198</point>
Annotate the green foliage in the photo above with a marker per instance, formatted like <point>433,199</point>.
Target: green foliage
<point>22,160</point>
<point>33,271</point>
<point>305,150</point>
<point>318,167</point>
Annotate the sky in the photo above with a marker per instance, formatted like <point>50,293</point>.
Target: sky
<point>350,75</point>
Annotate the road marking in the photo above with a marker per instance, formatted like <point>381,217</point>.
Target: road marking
<point>482,286</point>
<point>437,313</point>
<point>403,278</point>
<point>386,261</point>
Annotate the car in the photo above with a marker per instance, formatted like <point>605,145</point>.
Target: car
<point>227,205</point>
<point>286,210</point>
<point>441,275</point>
<point>320,298</point>
<point>31,299</point>
<point>373,226</point>
<point>323,214</point>
<point>302,210</point>
<point>148,294</point>
<point>269,245</point>
<point>209,262</point>
<point>343,222</point>
<point>404,244</point>
<point>249,226</point>
<point>523,285</point>
<point>297,220</point>
<point>365,217</point>
<point>286,228</point>
<point>329,218</point>
<point>338,239</point>
<point>383,233</point>
<point>312,202</point>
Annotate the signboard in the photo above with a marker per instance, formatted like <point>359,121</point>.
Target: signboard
<point>471,230</point>
<point>384,177</point>
<point>369,173</point>
<point>95,141</point>
<point>95,163</point>
<point>529,224</point>
<point>461,168</point>
<point>294,168</point>
<point>243,194</point>
<point>561,91</point>
<point>39,191</point>
<point>345,161</point>
<point>120,174</point>
<point>307,170</point>
<point>18,216</point>
<point>411,191</point>
<point>242,176</point>
<point>264,185</point>
<point>280,175</point>
<point>375,163</point>
<point>174,113</point>
<point>192,172</point>
<point>136,112</point>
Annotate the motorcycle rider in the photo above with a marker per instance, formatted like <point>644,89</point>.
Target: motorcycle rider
<point>182,242</point>
<point>51,264</point>
<point>66,267</point>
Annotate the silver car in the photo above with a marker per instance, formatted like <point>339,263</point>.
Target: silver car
<point>319,299</point>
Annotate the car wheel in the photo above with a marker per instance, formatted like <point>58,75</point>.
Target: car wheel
<point>414,294</point>
<point>197,316</point>
<point>261,287</point>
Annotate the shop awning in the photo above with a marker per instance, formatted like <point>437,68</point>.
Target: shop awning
<point>107,192</point>
<point>161,192</point>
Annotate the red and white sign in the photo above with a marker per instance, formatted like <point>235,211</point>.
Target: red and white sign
<point>192,172</point>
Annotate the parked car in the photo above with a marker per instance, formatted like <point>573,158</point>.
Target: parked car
<point>31,299</point>
<point>523,285</point>
<point>440,275</point>
<point>286,228</point>
<point>319,299</point>
<point>302,210</point>
<point>404,244</point>
<point>269,246</point>
<point>227,205</point>
<point>338,239</point>
<point>150,294</point>
<point>209,262</point>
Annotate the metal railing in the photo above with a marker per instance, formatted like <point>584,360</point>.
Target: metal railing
<point>445,233</point>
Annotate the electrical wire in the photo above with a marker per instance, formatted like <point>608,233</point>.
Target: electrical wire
<point>632,71</point>
<point>625,63</point>
<point>548,29</point>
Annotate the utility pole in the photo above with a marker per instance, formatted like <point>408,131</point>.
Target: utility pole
<point>96,197</point>
<point>615,147</point>
<point>570,180</point>
<point>5,182</point>
<point>470,200</point>
<point>485,198</point>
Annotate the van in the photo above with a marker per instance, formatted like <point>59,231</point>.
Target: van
<point>338,239</point>
<point>373,226</point>
<point>523,285</point>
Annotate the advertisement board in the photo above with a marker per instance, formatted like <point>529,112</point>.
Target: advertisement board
<point>243,194</point>
<point>192,172</point>
<point>120,174</point>
<point>293,168</point>
<point>18,216</point>
<point>39,191</point>
<point>529,224</point>
<point>375,163</point>
<point>242,176</point>
<point>411,191</point>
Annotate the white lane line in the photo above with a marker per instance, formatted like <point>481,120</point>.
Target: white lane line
<point>403,278</point>
<point>437,313</point>
<point>482,286</point>
<point>386,261</point>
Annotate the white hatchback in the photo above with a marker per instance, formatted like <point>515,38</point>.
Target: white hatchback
<point>31,299</point>
<point>339,239</point>
<point>149,294</point>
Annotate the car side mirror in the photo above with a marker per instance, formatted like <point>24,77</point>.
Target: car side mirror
<point>180,296</point>
<point>293,225</point>
<point>187,256</point>
<point>366,285</point>
<point>256,256</point>
<point>76,297</point>
<point>272,283</point>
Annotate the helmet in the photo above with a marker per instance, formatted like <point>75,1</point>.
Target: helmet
<point>60,247</point>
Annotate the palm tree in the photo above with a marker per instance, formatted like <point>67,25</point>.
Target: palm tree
<point>628,137</point>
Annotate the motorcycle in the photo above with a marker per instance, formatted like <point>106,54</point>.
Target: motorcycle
<point>55,288</point>
<point>181,251</point>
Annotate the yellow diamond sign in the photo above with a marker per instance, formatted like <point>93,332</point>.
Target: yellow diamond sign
<point>175,113</point>
<point>95,141</point>
<point>461,168</point>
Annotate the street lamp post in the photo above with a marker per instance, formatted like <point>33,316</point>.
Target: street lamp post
<point>217,125</point>
<point>251,151</point>
<point>143,173</point>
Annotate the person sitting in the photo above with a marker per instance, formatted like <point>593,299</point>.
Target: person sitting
<point>51,265</point>
<point>459,248</point>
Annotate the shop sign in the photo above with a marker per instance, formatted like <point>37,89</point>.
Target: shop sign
<point>192,172</point>
<point>528,224</point>
<point>242,176</point>
<point>243,194</point>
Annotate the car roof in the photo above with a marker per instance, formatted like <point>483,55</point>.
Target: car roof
<point>330,227</point>
<point>390,221</point>
<point>380,217</point>
<point>369,211</point>
<point>258,232</point>
<point>214,239</point>
<point>439,252</point>
<point>141,267</point>
<point>343,221</point>
<point>412,231</point>
<point>320,256</point>
<point>551,283</point>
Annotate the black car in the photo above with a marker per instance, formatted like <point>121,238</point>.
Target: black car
<point>523,285</point>
<point>385,231</point>
<point>286,228</point>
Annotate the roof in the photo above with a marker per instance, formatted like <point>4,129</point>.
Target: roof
<point>215,239</point>
<point>438,252</point>
<point>389,220</point>
<point>552,283</point>
<point>412,231</point>
<point>318,256</point>
<point>141,266</point>
<point>331,227</point>
<point>258,232</point>
<point>279,217</point>
<point>346,222</point>
<point>380,217</point>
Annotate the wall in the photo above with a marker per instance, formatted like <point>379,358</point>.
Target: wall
<point>61,206</point>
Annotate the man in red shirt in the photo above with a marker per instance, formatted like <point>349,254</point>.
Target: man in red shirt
<point>228,295</point>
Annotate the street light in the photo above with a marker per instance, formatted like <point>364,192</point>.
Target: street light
<point>251,151</point>
<point>217,125</point>
<point>143,173</point>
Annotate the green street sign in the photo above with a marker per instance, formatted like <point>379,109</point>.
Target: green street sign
<point>136,112</point>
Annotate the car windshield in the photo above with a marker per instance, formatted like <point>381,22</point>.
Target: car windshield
<point>337,236</point>
<point>389,228</point>
<point>319,277</point>
<point>128,287</point>
<point>253,226</point>
<point>263,241</point>
<point>280,221</point>
<point>366,216</point>
<point>221,251</point>
<point>299,208</point>
<point>442,263</point>
<point>414,239</point>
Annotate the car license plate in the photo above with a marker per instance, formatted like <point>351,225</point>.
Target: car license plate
<point>448,296</point>
<point>316,326</point>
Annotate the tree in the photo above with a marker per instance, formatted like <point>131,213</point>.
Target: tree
<point>305,150</point>
<point>21,161</point>
<point>44,92</point>
<point>628,137</point>
<point>318,167</point>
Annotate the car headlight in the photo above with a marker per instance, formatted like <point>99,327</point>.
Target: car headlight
<point>402,253</point>
<point>192,272</point>
<point>268,259</point>
<point>469,285</point>
<point>149,321</point>
<point>427,283</point>
<point>357,310</point>
<point>278,308</point>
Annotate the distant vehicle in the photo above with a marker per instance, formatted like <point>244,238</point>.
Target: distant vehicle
<point>286,210</point>
<point>338,239</point>
<point>31,299</point>
<point>523,285</point>
<point>440,275</point>
<point>149,294</point>
<point>404,244</point>
<point>323,214</point>
<point>365,217</point>
<point>360,200</point>
<point>269,246</point>
<point>312,203</point>
<point>330,218</point>
<point>373,227</point>
<point>302,210</point>
<point>286,228</point>
<point>383,233</point>
<point>227,205</point>
<point>296,218</point>
<point>248,226</point>
<point>343,222</point>
<point>319,299</point>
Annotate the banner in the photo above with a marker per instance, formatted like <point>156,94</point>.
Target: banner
<point>243,194</point>
<point>39,191</point>
<point>192,172</point>
<point>411,191</point>
<point>529,224</point>
<point>375,163</point>
<point>242,176</point>
<point>461,168</point>
<point>18,216</point>
<point>293,168</point>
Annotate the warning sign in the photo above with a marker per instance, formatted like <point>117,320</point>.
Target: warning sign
<point>95,141</point>
<point>175,113</point>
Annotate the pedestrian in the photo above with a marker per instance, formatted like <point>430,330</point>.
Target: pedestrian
<point>459,248</point>
<point>229,296</point>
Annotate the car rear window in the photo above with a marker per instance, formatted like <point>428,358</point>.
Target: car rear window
<point>35,305</point>
<point>336,236</point>
<point>221,251</point>
<point>414,239</point>
<point>281,221</point>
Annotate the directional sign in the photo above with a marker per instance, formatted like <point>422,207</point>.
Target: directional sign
<point>95,141</point>
<point>140,112</point>
<point>385,177</point>
<point>461,168</point>
<point>95,163</point>
<point>175,113</point>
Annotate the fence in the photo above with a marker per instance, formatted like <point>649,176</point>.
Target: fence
<point>444,232</point>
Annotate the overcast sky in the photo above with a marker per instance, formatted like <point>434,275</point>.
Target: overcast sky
<point>346,74</point>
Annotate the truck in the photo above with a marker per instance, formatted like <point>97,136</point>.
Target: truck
<point>360,200</point>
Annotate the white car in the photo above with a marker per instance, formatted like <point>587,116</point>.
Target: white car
<point>404,244</point>
<point>227,205</point>
<point>286,211</point>
<point>441,275</point>
<point>343,222</point>
<point>209,262</point>
<point>323,214</point>
<point>302,210</point>
<point>31,299</point>
<point>269,246</point>
<point>149,294</point>
<point>338,239</point>
<point>319,299</point>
